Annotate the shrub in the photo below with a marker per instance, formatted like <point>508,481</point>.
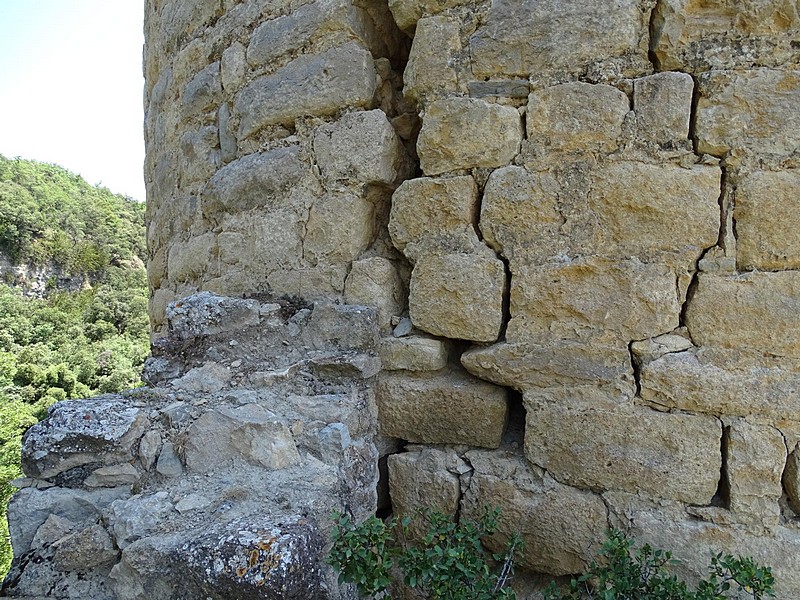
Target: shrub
<point>642,575</point>
<point>448,563</point>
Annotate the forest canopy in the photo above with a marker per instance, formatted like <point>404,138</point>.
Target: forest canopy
<point>62,344</point>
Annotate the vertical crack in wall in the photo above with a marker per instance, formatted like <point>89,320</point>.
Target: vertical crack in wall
<point>655,28</point>
<point>722,496</point>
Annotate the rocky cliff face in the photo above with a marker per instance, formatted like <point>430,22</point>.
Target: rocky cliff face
<point>573,223</point>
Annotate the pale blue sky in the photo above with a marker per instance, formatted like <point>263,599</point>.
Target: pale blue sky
<point>71,87</point>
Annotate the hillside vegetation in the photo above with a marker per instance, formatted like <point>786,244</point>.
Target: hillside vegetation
<point>65,344</point>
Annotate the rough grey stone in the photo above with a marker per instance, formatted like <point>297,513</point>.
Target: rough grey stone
<point>346,73</point>
<point>169,463</point>
<point>112,476</point>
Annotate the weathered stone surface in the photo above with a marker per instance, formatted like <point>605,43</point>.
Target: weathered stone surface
<point>458,296</point>
<point>692,542</point>
<point>346,73</point>
<point>659,213</point>
<point>576,117</point>
<point>255,180</point>
<point>408,12</point>
<point>756,110</point>
<point>695,36</point>
<point>220,437</point>
<point>443,408</point>
<point>253,559</point>
<point>112,476</point>
<point>206,314</point>
<point>755,456</point>
<point>632,299</point>
<point>291,32</point>
<point>685,380</point>
<point>100,430</point>
<point>433,215</point>
<point>169,463</point>
<point>462,133</point>
<point>84,549</point>
<point>566,369</point>
<point>562,527</point>
<point>663,106</point>
<point>430,72</point>
<point>233,67</point>
<point>52,530</point>
<point>340,227</point>
<point>413,353</point>
<point>374,153</point>
<point>663,455</point>
<point>138,516</point>
<point>207,378</point>
<point>30,508</point>
<point>149,446</point>
<point>425,479</point>
<point>765,209</point>
<point>737,312</point>
<point>342,326</point>
<point>375,281</point>
<point>524,37</point>
<point>203,91</point>
<point>189,259</point>
<point>646,351</point>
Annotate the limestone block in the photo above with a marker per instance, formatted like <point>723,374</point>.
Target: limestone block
<point>189,259</point>
<point>562,527</point>
<point>565,369</point>
<point>520,210</point>
<point>448,407</point>
<point>100,430</point>
<point>753,310</point>
<point>208,378</point>
<point>663,106</point>
<point>112,476</point>
<point>169,463</point>
<point>644,210</point>
<point>407,13</point>
<point>430,72</point>
<point>664,455</point>
<point>200,155</point>
<point>755,109</point>
<point>203,92</point>
<point>30,508</point>
<point>695,36</point>
<point>791,479</point>
<point>256,180</point>
<point>220,437</point>
<point>346,73</point>
<point>425,479</point>
<point>434,215</point>
<point>700,382</point>
<point>233,67</point>
<point>658,213</point>
<point>458,296</point>
<point>84,549</point>
<point>693,540</point>
<point>290,33</point>
<point>755,456</point>
<point>52,530</point>
<point>360,148</point>
<point>413,353</point>
<point>205,314</point>
<point>633,300</point>
<point>138,516</point>
<point>765,211</point>
<point>576,117</point>
<point>342,326</point>
<point>340,227</point>
<point>376,282</point>
<point>524,37</point>
<point>463,133</point>
<point>228,146</point>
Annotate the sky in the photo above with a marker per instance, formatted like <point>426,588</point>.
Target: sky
<point>71,87</point>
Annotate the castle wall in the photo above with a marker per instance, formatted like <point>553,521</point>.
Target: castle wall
<point>589,225</point>
<point>575,223</point>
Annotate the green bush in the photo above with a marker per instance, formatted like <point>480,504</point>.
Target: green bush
<point>447,563</point>
<point>624,574</point>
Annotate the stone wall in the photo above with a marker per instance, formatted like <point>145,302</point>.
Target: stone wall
<point>574,221</point>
